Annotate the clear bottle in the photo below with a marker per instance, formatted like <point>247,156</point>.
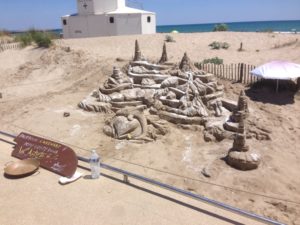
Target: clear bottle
<point>95,165</point>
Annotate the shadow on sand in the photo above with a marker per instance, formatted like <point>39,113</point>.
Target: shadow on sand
<point>265,92</point>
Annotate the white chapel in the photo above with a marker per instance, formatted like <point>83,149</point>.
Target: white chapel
<point>107,18</point>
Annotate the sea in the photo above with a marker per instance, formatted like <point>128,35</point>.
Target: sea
<point>287,26</point>
<point>258,26</point>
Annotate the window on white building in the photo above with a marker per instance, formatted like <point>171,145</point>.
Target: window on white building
<point>111,19</point>
<point>149,19</point>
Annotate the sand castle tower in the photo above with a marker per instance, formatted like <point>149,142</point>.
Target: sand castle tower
<point>240,156</point>
<point>186,64</point>
<point>137,52</point>
<point>242,110</point>
<point>164,56</point>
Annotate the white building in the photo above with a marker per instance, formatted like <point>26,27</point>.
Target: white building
<point>107,18</point>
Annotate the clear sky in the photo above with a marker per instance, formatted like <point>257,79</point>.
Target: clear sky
<point>45,14</point>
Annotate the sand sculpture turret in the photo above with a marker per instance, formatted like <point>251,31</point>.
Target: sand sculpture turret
<point>242,111</point>
<point>137,52</point>
<point>164,56</point>
<point>240,156</point>
<point>186,64</point>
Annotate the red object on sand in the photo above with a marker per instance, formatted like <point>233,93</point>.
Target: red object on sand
<point>53,156</point>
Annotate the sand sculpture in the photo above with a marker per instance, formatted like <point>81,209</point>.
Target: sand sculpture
<point>180,94</point>
<point>240,156</point>
<point>143,96</point>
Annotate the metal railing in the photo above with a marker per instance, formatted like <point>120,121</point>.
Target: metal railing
<point>212,202</point>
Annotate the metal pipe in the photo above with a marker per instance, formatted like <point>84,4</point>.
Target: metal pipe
<point>180,191</point>
<point>7,134</point>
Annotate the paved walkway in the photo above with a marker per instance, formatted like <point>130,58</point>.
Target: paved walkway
<point>39,199</point>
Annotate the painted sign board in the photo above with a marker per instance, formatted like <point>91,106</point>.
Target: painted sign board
<point>53,156</point>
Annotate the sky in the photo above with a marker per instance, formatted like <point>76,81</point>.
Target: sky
<point>45,14</point>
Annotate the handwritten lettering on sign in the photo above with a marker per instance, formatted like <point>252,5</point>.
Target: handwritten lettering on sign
<point>53,156</point>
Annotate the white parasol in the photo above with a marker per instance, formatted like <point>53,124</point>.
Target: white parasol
<point>278,70</point>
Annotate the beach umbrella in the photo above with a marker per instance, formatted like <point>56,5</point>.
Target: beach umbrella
<point>174,32</point>
<point>278,70</point>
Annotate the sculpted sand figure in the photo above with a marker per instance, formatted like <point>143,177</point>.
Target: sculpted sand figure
<point>137,52</point>
<point>164,56</point>
<point>242,110</point>
<point>186,65</point>
<point>240,156</point>
<point>131,124</point>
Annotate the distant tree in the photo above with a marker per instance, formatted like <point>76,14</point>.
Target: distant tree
<point>221,27</point>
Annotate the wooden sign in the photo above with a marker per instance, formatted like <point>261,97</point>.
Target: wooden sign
<point>53,156</point>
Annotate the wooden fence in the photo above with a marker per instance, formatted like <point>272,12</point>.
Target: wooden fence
<point>234,72</point>
<point>4,47</point>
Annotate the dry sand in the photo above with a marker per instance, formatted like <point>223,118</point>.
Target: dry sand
<point>39,85</point>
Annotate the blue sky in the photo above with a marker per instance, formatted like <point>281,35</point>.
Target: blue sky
<point>24,14</point>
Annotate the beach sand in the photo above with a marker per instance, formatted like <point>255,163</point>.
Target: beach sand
<point>39,85</point>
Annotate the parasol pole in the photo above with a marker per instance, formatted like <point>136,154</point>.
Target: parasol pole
<point>277,85</point>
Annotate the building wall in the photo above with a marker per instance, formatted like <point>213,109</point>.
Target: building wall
<point>100,25</point>
<point>76,26</point>
<point>85,7</point>
<point>104,6</point>
<point>128,24</point>
<point>148,27</point>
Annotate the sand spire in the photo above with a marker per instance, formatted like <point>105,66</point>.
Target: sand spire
<point>137,52</point>
<point>186,64</point>
<point>164,56</point>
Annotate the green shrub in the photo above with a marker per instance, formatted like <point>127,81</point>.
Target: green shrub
<point>219,45</point>
<point>215,60</point>
<point>221,27</point>
<point>42,39</point>
<point>25,39</point>
<point>225,45</point>
<point>215,45</point>
<point>169,38</point>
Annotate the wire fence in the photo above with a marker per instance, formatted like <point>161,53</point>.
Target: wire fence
<point>240,72</point>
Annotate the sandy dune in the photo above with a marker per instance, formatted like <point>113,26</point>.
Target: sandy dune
<point>39,85</point>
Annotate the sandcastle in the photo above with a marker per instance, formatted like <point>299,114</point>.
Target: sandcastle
<point>180,94</point>
<point>143,97</point>
<point>240,156</point>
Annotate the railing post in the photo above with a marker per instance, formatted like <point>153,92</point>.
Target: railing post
<point>125,179</point>
<point>241,72</point>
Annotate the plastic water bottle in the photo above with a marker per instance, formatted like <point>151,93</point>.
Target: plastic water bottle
<point>95,165</point>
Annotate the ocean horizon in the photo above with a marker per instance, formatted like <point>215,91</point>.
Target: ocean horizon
<point>254,26</point>
<point>289,26</point>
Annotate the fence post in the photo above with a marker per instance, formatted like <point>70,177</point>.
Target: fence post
<point>241,72</point>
